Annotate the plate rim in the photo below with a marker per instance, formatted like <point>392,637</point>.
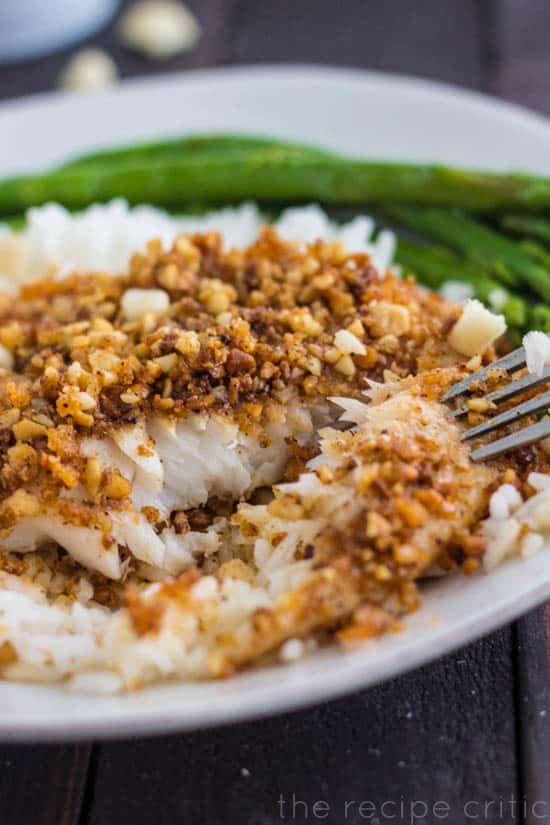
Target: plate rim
<point>127,86</point>
<point>22,102</point>
<point>152,723</point>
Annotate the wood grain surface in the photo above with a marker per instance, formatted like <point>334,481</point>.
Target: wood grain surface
<point>465,739</point>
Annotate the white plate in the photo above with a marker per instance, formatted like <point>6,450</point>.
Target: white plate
<point>371,114</point>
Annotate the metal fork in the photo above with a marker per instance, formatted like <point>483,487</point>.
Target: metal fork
<point>521,438</point>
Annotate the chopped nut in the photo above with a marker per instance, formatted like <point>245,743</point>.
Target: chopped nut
<point>64,473</point>
<point>377,526</point>
<point>237,569</point>
<point>135,303</point>
<point>86,401</point>
<point>116,486</point>
<point>8,653</point>
<point>105,364</point>
<point>285,507</point>
<point>20,455</point>
<point>167,362</point>
<point>407,554</point>
<point>332,355</point>
<point>368,475</point>
<point>188,251</point>
<point>301,320</point>
<point>475,545</point>
<point>324,474</point>
<point>224,319</point>
<point>22,503</point>
<point>435,502</point>
<point>130,397</point>
<point>389,343</point>
<point>27,430</point>
<point>8,418</point>
<point>381,573</point>
<point>151,514</point>
<point>310,384</point>
<point>11,334</point>
<point>73,401</point>
<point>254,410</point>
<point>479,405</point>
<point>470,565</point>
<point>357,328</point>
<point>322,282</point>
<point>313,365</point>
<point>368,621</point>
<point>412,511</point>
<point>92,475</point>
<point>18,395</point>
<point>84,419</point>
<point>389,318</point>
<point>345,365</point>
<point>348,343</point>
<point>188,343</point>
<point>216,295</point>
<point>239,361</point>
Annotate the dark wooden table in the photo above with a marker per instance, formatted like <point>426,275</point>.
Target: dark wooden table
<point>466,739</point>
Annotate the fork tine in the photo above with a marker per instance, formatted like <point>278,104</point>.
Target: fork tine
<point>534,405</point>
<point>521,438</point>
<point>513,361</point>
<point>520,385</point>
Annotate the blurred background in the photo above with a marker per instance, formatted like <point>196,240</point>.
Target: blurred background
<point>495,45</point>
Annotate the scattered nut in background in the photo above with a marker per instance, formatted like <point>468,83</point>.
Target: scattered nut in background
<point>89,70</point>
<point>159,29</point>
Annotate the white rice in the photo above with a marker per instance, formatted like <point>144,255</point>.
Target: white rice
<point>537,352</point>
<point>105,236</point>
<point>516,527</point>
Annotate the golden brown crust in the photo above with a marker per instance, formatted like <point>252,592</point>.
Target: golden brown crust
<point>407,497</point>
<point>239,333</point>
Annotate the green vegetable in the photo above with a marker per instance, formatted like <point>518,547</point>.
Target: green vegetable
<point>270,174</point>
<point>434,266</point>
<point>180,147</point>
<point>495,253</point>
<point>536,251</point>
<point>15,222</point>
<point>205,170</point>
<point>539,318</point>
<point>530,225</point>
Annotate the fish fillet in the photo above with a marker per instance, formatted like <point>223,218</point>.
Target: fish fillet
<point>196,378</point>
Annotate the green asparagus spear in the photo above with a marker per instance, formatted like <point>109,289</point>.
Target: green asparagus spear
<point>180,147</point>
<point>478,244</point>
<point>539,318</point>
<point>14,222</point>
<point>532,226</point>
<point>274,174</point>
<point>435,266</point>
<point>536,251</point>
